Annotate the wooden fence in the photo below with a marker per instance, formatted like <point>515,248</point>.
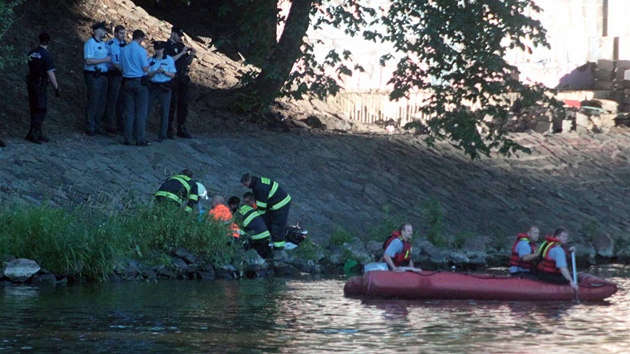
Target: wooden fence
<point>374,107</point>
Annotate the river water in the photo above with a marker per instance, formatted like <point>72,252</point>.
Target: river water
<point>298,316</point>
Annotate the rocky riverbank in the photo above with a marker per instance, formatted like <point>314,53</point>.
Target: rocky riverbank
<point>357,183</point>
<point>343,180</point>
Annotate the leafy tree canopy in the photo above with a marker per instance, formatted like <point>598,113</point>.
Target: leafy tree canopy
<point>7,18</point>
<point>454,49</point>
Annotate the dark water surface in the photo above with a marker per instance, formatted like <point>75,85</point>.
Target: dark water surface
<point>298,316</point>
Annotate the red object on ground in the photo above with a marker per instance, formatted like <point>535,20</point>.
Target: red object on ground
<point>572,103</point>
<point>452,286</point>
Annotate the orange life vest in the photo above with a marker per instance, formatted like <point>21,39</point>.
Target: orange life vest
<point>221,213</point>
<point>515,260</point>
<point>548,264</point>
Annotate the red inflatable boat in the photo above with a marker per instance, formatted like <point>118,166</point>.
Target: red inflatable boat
<point>448,285</point>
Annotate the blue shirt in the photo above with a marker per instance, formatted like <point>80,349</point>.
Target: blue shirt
<point>93,49</point>
<point>114,47</point>
<point>167,63</point>
<point>133,58</point>
<point>395,247</point>
<point>558,255</point>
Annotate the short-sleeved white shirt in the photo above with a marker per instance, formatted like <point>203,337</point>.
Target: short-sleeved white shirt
<point>93,49</point>
<point>167,63</point>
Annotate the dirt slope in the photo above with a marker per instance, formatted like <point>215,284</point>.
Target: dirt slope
<point>69,23</point>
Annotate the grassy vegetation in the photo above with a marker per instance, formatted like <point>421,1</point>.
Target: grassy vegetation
<point>87,243</point>
<point>83,243</point>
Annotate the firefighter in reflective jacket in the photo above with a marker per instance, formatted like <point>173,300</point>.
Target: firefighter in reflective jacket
<point>273,203</point>
<point>524,252</point>
<point>252,223</point>
<point>179,189</point>
<point>398,249</point>
<point>553,267</point>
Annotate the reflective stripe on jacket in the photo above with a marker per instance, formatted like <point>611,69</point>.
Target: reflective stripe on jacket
<point>268,194</point>
<point>515,259</point>
<point>548,264</point>
<point>251,221</point>
<point>179,188</point>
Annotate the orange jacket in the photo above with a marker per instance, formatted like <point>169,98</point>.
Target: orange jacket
<point>221,213</point>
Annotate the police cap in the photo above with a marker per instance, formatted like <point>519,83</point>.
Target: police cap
<point>178,30</point>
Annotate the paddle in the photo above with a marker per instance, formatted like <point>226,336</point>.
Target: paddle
<point>577,299</point>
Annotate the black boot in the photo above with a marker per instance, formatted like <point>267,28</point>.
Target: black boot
<point>182,132</point>
<point>170,133</point>
<point>2,144</point>
<point>32,136</point>
<point>40,135</point>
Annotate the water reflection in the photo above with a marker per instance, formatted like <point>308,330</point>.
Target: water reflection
<point>274,315</point>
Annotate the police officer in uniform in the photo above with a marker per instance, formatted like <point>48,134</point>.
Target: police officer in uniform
<point>179,189</point>
<point>115,102</point>
<point>135,65</point>
<point>161,71</point>
<point>95,68</point>
<point>183,57</point>
<point>41,70</point>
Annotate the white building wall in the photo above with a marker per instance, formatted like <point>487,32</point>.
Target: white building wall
<point>579,32</point>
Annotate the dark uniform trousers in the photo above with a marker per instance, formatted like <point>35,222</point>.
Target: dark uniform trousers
<point>115,108</point>
<point>137,106</point>
<point>179,100</point>
<point>97,96</point>
<point>162,93</point>
<point>276,221</point>
<point>37,102</point>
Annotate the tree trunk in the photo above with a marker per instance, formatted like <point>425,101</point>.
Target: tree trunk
<point>265,88</point>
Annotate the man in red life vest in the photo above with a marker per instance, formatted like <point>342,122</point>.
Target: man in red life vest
<point>553,266</point>
<point>398,250</point>
<point>524,253</point>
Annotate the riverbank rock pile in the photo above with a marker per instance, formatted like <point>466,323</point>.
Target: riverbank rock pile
<point>475,254</point>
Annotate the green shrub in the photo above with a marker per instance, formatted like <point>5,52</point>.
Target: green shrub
<point>433,218</point>
<point>592,229</point>
<point>163,228</point>
<point>385,228</point>
<point>459,239</point>
<point>308,251</point>
<point>339,237</point>
<point>85,243</point>
<point>10,56</point>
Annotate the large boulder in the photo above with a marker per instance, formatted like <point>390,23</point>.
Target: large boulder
<point>21,269</point>
<point>603,245</point>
